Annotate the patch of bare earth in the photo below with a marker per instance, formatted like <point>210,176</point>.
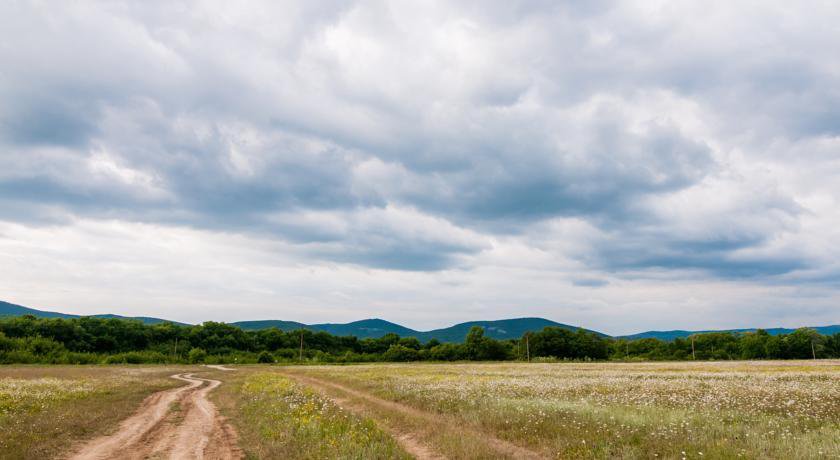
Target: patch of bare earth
<point>177,424</point>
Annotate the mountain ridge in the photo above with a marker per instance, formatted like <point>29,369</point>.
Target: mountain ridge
<point>10,309</point>
<point>679,333</point>
<point>502,329</point>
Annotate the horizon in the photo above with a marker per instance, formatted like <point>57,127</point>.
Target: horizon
<point>440,326</point>
<point>618,166</point>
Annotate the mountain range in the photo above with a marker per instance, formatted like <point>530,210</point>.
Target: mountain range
<point>500,329</point>
<point>10,309</point>
<point>374,328</point>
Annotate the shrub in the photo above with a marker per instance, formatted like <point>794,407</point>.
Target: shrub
<point>265,358</point>
<point>447,352</point>
<point>400,353</point>
<point>197,356</point>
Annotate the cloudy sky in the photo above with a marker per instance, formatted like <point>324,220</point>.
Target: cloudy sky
<point>622,166</point>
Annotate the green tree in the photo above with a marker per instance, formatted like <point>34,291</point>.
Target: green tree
<point>197,356</point>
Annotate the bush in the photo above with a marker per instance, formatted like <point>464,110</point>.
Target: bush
<point>447,352</point>
<point>400,353</point>
<point>197,356</point>
<point>18,357</point>
<point>265,358</point>
<point>137,357</point>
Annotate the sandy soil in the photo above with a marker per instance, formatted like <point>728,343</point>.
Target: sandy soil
<point>176,424</point>
<point>409,441</point>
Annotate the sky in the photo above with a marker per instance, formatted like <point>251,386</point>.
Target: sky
<point>621,166</point>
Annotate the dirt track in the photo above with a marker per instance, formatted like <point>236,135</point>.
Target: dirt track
<point>176,424</point>
<point>410,442</point>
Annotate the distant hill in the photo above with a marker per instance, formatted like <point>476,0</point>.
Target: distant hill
<point>268,324</point>
<point>671,335</point>
<point>366,328</point>
<point>375,328</point>
<point>10,309</point>
<point>500,329</point>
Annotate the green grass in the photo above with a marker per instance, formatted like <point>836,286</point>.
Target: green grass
<point>277,418</point>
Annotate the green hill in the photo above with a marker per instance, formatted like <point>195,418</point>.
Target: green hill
<point>500,329</point>
<point>375,328</point>
<point>671,335</point>
<point>10,309</point>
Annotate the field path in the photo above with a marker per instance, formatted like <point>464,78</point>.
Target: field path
<point>177,424</point>
<point>411,442</point>
<point>219,367</point>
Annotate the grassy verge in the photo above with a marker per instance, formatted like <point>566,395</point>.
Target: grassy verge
<point>277,418</point>
<point>45,410</point>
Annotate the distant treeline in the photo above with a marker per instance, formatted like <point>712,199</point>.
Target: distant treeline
<point>86,340</point>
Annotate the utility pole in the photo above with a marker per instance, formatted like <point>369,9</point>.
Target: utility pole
<point>301,346</point>
<point>528,347</point>
<point>176,347</point>
<point>693,356</point>
<point>813,351</point>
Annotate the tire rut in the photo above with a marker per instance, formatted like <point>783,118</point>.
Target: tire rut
<point>159,429</point>
<point>411,441</point>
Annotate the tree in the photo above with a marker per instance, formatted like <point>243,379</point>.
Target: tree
<point>754,344</point>
<point>477,347</point>
<point>804,343</point>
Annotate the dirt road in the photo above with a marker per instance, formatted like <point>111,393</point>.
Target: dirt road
<point>412,442</point>
<point>177,424</point>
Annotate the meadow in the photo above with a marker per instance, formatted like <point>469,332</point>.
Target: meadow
<point>614,410</point>
<point>672,410</point>
<point>44,410</point>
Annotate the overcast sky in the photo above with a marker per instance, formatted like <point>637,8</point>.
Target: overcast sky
<point>622,166</point>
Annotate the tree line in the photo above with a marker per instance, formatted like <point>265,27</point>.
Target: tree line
<point>88,340</point>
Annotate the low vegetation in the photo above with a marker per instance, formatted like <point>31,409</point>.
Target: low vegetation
<point>44,409</point>
<point>277,418</point>
<point>673,410</point>
<point>86,340</point>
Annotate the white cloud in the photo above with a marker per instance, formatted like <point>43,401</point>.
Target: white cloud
<point>577,161</point>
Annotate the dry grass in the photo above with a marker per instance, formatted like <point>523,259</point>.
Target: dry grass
<point>655,410</point>
<point>44,410</point>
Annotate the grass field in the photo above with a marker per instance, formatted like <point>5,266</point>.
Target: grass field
<point>663,410</point>
<point>493,410</point>
<point>45,409</point>
<point>277,418</point>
